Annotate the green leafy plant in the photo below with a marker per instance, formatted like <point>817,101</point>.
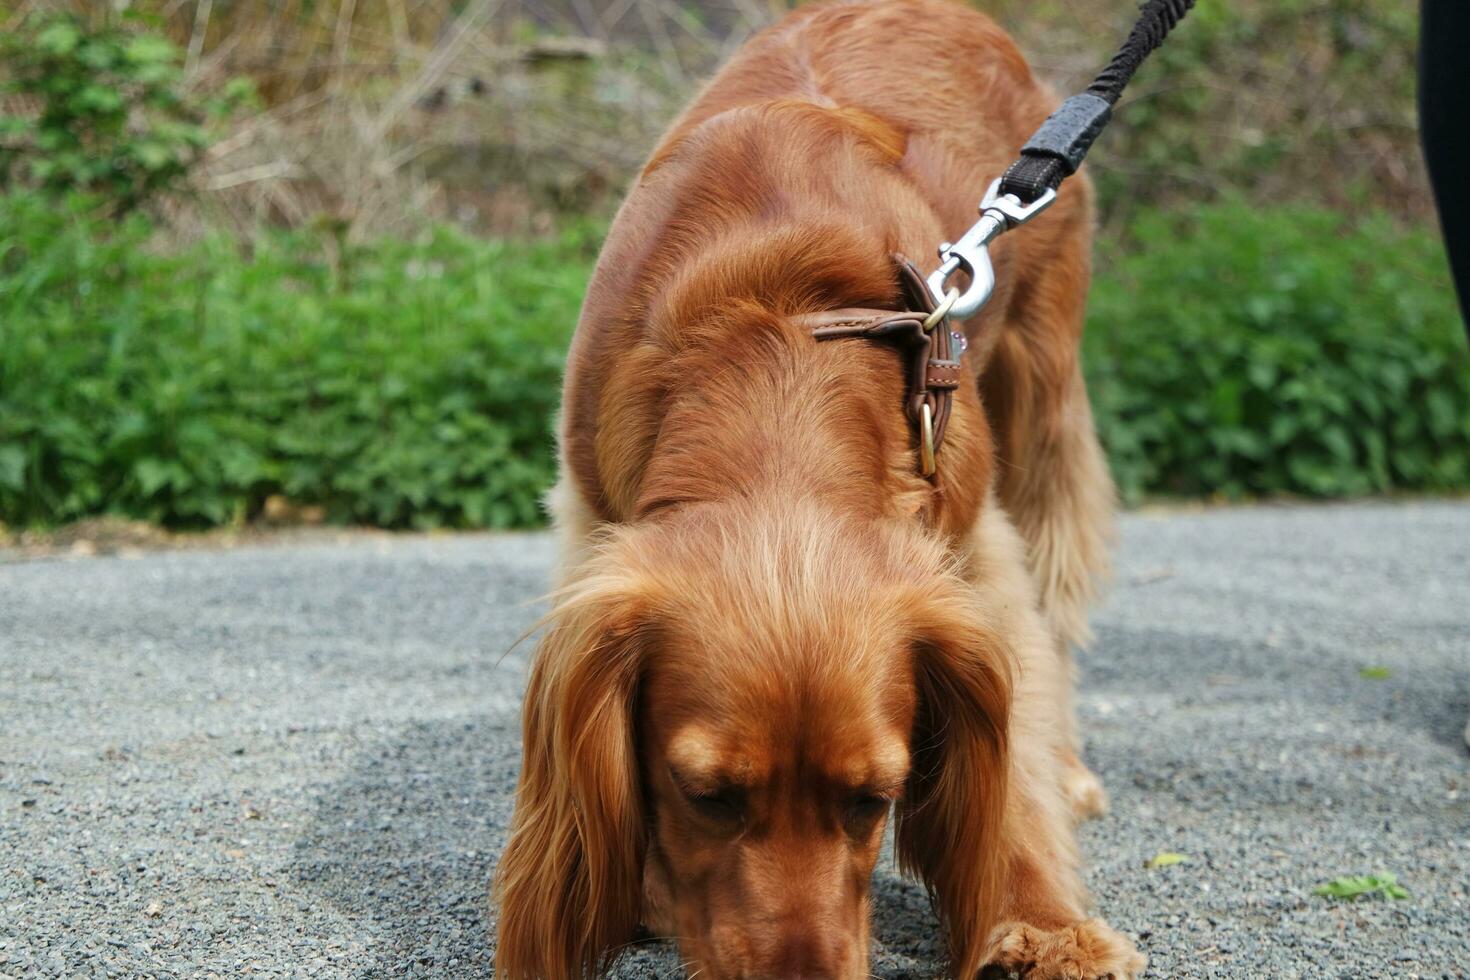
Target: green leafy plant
<point>1356,886</point>
<point>1375,673</point>
<point>1237,352</point>
<point>112,120</point>
<point>411,385</point>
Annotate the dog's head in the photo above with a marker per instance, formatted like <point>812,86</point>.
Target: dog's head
<point>725,710</point>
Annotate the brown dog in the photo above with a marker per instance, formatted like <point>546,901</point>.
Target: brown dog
<point>772,629</point>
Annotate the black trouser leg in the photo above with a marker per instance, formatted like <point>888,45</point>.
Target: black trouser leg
<point>1444,125</point>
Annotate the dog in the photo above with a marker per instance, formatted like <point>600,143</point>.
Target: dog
<point>772,631</point>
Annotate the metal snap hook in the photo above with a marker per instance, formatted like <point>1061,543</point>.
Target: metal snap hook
<point>998,213</point>
<point>974,259</point>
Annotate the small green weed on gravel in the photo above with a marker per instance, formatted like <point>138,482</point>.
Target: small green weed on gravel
<point>1355,886</point>
<point>1165,859</point>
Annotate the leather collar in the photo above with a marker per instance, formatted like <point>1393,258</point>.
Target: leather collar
<point>934,370</point>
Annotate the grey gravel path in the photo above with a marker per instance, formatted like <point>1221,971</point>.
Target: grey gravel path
<point>297,760</point>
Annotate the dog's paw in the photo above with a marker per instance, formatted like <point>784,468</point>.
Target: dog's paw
<point>1088,950</point>
<point>1085,793</point>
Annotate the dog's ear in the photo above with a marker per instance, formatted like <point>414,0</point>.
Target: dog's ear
<point>949,824</point>
<point>569,884</point>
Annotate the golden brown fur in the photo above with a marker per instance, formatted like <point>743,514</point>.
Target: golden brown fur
<point>770,627</point>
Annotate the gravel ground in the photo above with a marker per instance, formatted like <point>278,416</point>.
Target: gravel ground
<point>298,760</point>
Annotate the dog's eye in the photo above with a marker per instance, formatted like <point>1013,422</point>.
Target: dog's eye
<point>726,806</point>
<point>867,808</point>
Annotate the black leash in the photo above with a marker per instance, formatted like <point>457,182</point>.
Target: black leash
<point>1057,148</point>
<point>1050,156</point>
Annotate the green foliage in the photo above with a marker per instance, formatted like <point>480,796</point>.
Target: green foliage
<point>1236,352</point>
<point>1241,352</point>
<point>113,120</point>
<point>1355,886</point>
<point>408,384</point>
<point>1375,673</point>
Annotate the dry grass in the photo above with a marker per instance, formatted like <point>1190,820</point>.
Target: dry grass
<point>504,115</point>
<point>498,114</point>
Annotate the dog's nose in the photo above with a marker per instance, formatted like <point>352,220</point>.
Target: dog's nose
<point>808,955</point>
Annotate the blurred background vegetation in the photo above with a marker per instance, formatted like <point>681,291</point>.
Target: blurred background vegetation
<point>324,256</point>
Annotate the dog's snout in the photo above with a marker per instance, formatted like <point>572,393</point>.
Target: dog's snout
<point>808,954</point>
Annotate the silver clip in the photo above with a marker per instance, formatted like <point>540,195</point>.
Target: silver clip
<point>998,214</point>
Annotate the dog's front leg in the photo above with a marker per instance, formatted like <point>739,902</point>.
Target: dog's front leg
<point>1086,950</point>
<point>1044,932</point>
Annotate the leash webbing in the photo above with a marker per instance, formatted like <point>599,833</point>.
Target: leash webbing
<point>1053,153</point>
<point>1058,147</point>
<point>1028,187</point>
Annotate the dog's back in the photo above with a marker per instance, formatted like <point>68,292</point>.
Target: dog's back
<point>844,134</point>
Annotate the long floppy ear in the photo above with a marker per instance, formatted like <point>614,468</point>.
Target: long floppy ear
<point>948,827</point>
<point>569,884</point>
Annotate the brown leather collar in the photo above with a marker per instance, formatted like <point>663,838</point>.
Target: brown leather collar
<point>934,370</point>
